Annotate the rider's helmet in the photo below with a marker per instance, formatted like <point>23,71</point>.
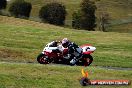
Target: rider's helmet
<point>65,42</point>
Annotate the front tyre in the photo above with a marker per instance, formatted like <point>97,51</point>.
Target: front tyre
<point>42,59</point>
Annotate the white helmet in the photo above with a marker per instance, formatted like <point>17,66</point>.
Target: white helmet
<point>65,42</point>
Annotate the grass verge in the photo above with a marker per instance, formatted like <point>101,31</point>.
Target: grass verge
<point>16,75</point>
<point>23,40</point>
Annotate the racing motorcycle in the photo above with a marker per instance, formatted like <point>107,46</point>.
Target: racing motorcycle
<point>59,55</point>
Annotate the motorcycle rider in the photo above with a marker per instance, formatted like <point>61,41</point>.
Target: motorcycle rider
<point>73,50</point>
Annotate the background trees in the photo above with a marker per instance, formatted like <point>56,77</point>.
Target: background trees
<point>20,9</point>
<point>53,13</point>
<point>76,17</point>
<point>85,18</point>
<point>3,4</point>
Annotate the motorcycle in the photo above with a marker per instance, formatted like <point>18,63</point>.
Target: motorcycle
<point>59,55</point>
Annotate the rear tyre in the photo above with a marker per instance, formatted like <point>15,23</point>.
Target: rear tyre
<point>87,60</point>
<point>42,59</point>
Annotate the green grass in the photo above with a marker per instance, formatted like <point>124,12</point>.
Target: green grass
<point>16,75</point>
<point>122,28</point>
<point>23,40</point>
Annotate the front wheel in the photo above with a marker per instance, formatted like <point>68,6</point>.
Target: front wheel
<point>42,59</point>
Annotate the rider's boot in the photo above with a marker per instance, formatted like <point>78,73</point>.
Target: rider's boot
<point>73,61</point>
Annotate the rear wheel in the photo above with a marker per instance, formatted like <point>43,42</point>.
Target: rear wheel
<point>87,60</point>
<point>42,59</point>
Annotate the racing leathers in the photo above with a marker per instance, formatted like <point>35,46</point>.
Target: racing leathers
<point>75,52</point>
